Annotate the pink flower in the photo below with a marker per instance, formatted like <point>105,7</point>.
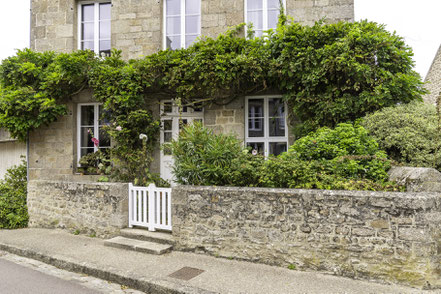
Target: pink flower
<point>95,141</point>
<point>254,152</point>
<point>118,128</point>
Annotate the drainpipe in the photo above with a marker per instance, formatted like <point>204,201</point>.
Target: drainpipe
<point>29,45</point>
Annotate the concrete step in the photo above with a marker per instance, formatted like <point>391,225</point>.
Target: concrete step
<point>137,245</point>
<point>144,235</point>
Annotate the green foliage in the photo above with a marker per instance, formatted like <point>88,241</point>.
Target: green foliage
<point>329,73</point>
<point>341,158</point>
<point>131,155</point>
<point>34,87</point>
<point>96,163</point>
<point>13,193</point>
<point>202,158</point>
<point>337,73</point>
<point>408,133</point>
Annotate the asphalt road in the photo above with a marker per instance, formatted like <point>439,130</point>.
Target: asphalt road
<point>17,279</point>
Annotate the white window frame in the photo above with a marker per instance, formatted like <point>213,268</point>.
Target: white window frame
<point>264,14</point>
<point>96,33</point>
<point>96,127</point>
<point>266,139</point>
<point>182,17</point>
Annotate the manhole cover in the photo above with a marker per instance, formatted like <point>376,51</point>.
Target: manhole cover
<point>186,273</point>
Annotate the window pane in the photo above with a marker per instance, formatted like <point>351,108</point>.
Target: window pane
<point>168,107</point>
<point>173,42</point>
<point>183,123</point>
<point>88,12</point>
<point>273,4</point>
<point>87,45</point>
<point>256,19</point>
<point>173,7</point>
<point>189,40</point>
<point>277,148</point>
<point>105,29</point>
<point>258,33</point>
<point>105,11</point>
<point>87,32</point>
<point>192,24</point>
<point>85,151</point>
<point>276,127</point>
<point>104,138</point>
<point>273,18</point>
<point>259,147</point>
<point>255,127</point>
<point>173,25</point>
<point>254,4</point>
<point>192,7</point>
<point>86,137</point>
<point>104,116</point>
<point>276,107</point>
<point>168,125</point>
<point>87,115</point>
<point>105,47</point>
<point>167,137</point>
<point>255,108</point>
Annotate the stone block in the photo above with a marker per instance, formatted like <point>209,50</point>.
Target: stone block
<point>417,179</point>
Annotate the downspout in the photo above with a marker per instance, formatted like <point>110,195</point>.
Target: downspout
<point>27,139</point>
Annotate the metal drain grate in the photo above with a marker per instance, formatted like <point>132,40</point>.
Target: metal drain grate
<point>186,273</point>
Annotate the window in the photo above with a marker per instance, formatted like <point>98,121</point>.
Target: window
<point>94,27</point>
<point>91,135</point>
<point>182,22</point>
<point>263,14</point>
<point>266,129</point>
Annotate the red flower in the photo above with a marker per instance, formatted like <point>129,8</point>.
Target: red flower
<point>95,141</point>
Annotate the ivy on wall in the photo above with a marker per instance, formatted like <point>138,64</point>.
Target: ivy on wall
<point>327,73</point>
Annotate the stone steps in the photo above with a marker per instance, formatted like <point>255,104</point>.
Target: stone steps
<point>138,245</point>
<point>144,235</point>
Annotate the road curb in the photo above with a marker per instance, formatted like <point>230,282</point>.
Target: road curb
<point>114,275</point>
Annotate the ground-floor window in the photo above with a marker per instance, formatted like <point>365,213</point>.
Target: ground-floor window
<point>266,130</point>
<point>91,135</point>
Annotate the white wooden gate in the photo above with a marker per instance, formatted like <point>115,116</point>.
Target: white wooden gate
<point>150,207</point>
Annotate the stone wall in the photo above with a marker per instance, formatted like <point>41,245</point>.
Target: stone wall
<point>433,80</point>
<point>137,25</point>
<point>393,237</point>
<point>99,209</point>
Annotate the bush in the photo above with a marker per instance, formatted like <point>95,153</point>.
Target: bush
<point>202,158</point>
<point>341,158</point>
<point>13,193</point>
<point>408,133</point>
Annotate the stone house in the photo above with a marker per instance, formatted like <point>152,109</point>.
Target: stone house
<point>433,79</point>
<point>142,27</point>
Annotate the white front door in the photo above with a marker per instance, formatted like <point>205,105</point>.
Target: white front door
<point>171,121</point>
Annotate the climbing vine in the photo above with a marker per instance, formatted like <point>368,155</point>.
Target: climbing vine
<point>327,73</point>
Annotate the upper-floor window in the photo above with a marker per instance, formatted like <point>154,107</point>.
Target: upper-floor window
<point>263,14</point>
<point>266,128</point>
<point>94,26</point>
<point>182,23</point>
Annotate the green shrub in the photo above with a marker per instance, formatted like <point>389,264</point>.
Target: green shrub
<point>341,158</point>
<point>202,158</point>
<point>13,192</point>
<point>408,133</point>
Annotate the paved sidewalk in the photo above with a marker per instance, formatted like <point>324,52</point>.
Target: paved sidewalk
<point>150,273</point>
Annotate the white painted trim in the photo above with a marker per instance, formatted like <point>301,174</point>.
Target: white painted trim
<point>266,139</point>
<point>96,126</point>
<point>96,23</point>
<point>182,19</point>
<point>264,14</point>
